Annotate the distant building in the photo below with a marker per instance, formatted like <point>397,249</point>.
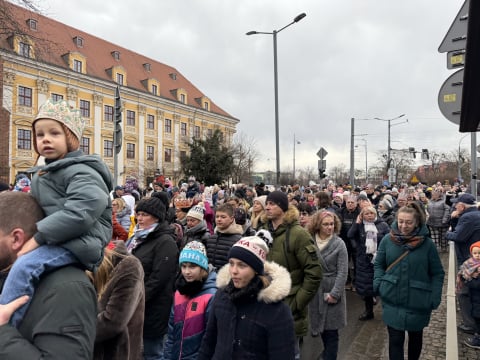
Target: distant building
<point>161,110</point>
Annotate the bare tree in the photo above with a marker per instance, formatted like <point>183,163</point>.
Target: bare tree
<point>245,155</point>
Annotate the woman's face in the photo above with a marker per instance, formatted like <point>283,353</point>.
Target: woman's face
<point>191,222</point>
<point>257,207</point>
<point>240,272</point>
<point>191,272</point>
<point>369,216</point>
<point>327,226</point>
<point>223,220</point>
<point>304,218</point>
<point>144,220</point>
<point>406,223</point>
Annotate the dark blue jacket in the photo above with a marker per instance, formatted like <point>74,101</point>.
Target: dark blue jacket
<point>257,328</point>
<point>466,233</point>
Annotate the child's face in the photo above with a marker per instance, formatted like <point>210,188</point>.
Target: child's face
<point>476,253</point>
<point>191,272</point>
<point>51,139</point>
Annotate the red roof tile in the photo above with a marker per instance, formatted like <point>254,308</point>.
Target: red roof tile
<point>99,58</point>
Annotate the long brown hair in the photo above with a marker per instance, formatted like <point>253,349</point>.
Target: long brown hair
<point>104,272</point>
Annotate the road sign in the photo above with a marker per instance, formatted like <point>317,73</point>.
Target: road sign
<point>450,97</point>
<point>322,153</point>
<point>456,37</point>
<point>455,59</point>
<point>392,172</point>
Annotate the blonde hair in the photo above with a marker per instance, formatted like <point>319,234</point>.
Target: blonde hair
<point>317,218</point>
<point>102,276</point>
<point>120,202</point>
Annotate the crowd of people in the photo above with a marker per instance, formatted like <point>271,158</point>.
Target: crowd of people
<point>213,272</point>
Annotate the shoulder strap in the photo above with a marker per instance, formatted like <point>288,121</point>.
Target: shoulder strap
<point>286,246</point>
<point>397,260</point>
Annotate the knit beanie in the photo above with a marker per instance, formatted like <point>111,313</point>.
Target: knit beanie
<point>387,202</point>
<point>252,250</point>
<point>262,200</point>
<point>194,252</point>
<point>196,212</point>
<point>163,196</point>
<point>475,244</point>
<point>153,206</point>
<point>279,198</point>
<point>70,118</point>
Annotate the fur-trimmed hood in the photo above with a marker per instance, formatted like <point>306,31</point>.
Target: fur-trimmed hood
<point>278,289</point>
<point>291,216</point>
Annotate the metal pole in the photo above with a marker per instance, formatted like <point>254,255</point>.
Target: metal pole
<point>388,150</point>
<point>366,163</point>
<point>275,76</point>
<point>352,152</point>
<point>473,155</point>
<point>294,141</point>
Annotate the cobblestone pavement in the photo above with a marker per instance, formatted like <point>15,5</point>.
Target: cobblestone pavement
<point>371,342</point>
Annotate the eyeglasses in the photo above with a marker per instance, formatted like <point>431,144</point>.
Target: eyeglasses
<point>304,213</point>
<point>114,204</point>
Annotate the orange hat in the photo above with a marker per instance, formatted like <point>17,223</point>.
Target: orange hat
<point>475,244</point>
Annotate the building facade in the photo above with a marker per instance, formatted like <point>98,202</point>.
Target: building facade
<point>161,110</point>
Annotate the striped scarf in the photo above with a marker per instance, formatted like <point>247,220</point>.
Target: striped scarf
<point>409,242</point>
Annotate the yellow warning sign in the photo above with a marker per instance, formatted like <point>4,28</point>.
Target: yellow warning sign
<point>449,98</point>
<point>414,179</point>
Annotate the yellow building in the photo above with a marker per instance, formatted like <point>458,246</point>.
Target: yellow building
<point>161,109</point>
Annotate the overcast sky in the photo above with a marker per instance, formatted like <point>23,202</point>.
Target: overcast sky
<point>346,58</point>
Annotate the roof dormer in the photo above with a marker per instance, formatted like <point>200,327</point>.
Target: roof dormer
<point>23,45</point>
<point>78,41</point>
<point>118,74</point>
<point>152,85</point>
<point>76,62</point>
<point>116,55</point>
<point>32,24</point>
<point>204,102</point>
<point>180,95</point>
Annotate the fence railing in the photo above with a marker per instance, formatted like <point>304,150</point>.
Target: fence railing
<point>452,338</point>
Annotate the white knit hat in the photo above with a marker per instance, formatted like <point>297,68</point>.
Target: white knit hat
<point>252,250</point>
<point>196,212</point>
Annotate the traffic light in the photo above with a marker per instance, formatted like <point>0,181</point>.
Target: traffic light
<point>117,136</point>
<point>412,152</point>
<point>425,154</point>
<point>322,174</point>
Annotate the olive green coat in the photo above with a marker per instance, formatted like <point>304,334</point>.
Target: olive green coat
<point>298,254</point>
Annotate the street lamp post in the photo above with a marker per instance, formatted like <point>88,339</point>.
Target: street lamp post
<point>459,175</point>
<point>275,80</point>
<point>294,143</point>
<point>389,149</point>
<point>366,161</point>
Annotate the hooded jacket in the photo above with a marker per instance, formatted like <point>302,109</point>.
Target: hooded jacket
<point>199,233</point>
<point>74,194</point>
<point>294,249</point>
<point>258,327</point>
<point>412,288</point>
<point>158,253</point>
<point>188,320</point>
<point>121,311</point>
